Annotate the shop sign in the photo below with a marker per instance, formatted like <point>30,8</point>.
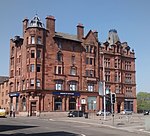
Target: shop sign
<point>14,94</point>
<point>128,99</point>
<point>83,101</point>
<point>67,93</point>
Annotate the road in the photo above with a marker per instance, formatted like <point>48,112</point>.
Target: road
<point>29,126</point>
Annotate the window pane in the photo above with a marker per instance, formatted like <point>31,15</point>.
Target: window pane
<point>38,53</point>
<point>32,53</point>
<point>32,82</point>
<point>73,71</point>
<point>90,87</point>
<point>58,86</point>
<point>39,40</point>
<point>32,40</point>
<point>38,68</point>
<point>32,68</point>
<point>38,83</point>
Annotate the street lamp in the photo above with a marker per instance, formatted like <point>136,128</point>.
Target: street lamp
<point>102,53</point>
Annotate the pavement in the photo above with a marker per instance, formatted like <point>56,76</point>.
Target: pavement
<point>131,123</point>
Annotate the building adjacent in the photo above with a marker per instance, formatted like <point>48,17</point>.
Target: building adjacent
<point>55,71</point>
<point>4,91</point>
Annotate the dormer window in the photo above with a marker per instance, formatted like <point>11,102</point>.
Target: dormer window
<point>59,45</point>
<point>36,22</point>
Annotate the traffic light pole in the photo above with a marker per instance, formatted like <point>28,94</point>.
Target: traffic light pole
<point>112,106</point>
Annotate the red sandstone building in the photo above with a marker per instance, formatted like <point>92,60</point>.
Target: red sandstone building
<point>4,91</point>
<point>54,71</point>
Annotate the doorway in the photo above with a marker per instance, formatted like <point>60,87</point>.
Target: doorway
<point>33,109</point>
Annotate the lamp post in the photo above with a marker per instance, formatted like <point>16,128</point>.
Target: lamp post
<point>104,85</point>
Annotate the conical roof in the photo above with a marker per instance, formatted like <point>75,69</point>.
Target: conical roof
<point>36,22</point>
<point>112,37</point>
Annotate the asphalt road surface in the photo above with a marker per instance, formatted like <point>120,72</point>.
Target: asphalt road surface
<point>28,126</point>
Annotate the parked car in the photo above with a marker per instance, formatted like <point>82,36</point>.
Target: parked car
<point>146,112</point>
<point>101,113</point>
<point>126,112</point>
<point>2,113</point>
<point>75,113</point>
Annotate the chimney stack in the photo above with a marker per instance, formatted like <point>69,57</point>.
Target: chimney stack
<point>50,24</point>
<point>80,31</point>
<point>25,25</point>
<point>95,34</point>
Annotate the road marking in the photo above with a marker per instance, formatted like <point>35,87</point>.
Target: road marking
<point>83,135</point>
<point>51,119</point>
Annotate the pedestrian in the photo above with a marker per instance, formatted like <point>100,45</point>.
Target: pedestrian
<point>13,113</point>
<point>10,113</point>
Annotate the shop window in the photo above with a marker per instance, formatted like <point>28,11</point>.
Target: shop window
<point>72,103</point>
<point>91,103</point>
<point>24,104</point>
<point>58,104</point>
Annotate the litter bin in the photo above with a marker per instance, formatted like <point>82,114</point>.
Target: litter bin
<point>86,114</point>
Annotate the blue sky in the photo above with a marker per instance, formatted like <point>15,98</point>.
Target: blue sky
<point>131,18</point>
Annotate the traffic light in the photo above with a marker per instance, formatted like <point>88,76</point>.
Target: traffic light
<point>113,98</point>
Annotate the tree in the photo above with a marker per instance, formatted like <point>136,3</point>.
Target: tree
<point>143,101</point>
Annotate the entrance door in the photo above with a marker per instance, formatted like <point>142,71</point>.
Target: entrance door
<point>72,104</point>
<point>58,104</point>
<point>33,109</point>
<point>118,108</point>
<point>83,107</point>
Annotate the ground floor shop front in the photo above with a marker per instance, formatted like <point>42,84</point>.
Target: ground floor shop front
<point>32,104</point>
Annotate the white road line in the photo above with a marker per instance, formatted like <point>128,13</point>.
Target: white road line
<point>83,135</point>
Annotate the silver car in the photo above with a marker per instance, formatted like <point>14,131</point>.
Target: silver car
<point>126,112</point>
<point>101,113</point>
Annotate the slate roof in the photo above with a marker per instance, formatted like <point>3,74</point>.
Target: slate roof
<point>67,36</point>
<point>3,78</point>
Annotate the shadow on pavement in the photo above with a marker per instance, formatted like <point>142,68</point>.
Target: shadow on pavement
<point>59,133</point>
<point>13,127</point>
